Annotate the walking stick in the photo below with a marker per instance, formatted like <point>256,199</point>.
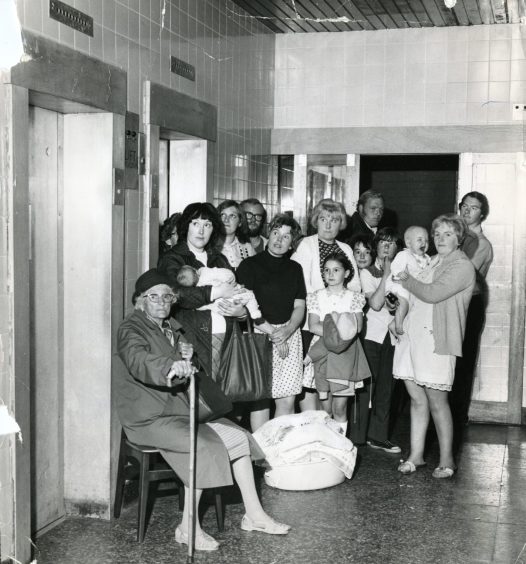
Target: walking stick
<point>191,486</point>
<point>191,500</point>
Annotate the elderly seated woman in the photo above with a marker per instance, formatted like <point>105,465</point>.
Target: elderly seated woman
<point>153,409</point>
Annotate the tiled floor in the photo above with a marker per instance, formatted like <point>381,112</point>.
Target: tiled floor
<point>379,516</point>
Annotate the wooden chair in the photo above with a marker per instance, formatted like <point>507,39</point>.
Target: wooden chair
<point>149,472</point>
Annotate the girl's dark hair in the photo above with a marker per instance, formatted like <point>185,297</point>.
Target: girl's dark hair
<point>202,210</point>
<point>167,228</point>
<point>342,258</point>
<point>365,239</point>
<point>387,234</point>
<point>242,233</point>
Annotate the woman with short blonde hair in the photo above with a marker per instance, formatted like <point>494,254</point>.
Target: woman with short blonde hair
<point>328,218</point>
<point>435,326</point>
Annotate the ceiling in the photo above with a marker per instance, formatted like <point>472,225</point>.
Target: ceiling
<point>301,16</point>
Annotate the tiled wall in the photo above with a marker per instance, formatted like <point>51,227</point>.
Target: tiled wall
<point>495,175</point>
<point>233,56</point>
<point>421,77</point>
<point>432,76</point>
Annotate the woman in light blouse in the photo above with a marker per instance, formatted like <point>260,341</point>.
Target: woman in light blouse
<point>328,218</point>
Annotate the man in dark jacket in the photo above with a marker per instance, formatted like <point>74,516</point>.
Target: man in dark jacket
<point>367,217</point>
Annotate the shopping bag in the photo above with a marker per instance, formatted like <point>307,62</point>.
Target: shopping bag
<point>212,403</point>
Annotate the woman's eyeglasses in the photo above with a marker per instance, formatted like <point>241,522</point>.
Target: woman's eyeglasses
<point>157,299</point>
<point>229,216</point>
<point>256,216</point>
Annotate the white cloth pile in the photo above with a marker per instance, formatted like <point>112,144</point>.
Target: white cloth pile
<point>311,436</point>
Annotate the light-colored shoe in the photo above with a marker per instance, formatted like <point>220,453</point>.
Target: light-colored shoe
<point>270,527</point>
<point>203,541</point>
<point>408,467</point>
<point>443,472</point>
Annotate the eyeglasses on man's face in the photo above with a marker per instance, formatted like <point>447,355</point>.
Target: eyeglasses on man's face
<point>256,216</point>
<point>164,298</point>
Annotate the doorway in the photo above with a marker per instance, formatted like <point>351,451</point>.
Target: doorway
<point>182,172</point>
<point>180,135</point>
<point>70,202</point>
<point>416,188</point>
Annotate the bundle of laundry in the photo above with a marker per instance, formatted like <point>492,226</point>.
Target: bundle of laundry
<point>306,451</point>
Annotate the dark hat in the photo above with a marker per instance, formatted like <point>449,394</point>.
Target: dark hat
<point>150,279</point>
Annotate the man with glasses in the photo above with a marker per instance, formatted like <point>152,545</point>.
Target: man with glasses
<point>256,218</point>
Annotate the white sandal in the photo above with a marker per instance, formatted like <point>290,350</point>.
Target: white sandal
<point>270,527</point>
<point>203,541</point>
<point>408,467</point>
<point>443,472</point>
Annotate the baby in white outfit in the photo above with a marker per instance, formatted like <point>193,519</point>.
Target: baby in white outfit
<point>205,276</point>
<point>414,259</point>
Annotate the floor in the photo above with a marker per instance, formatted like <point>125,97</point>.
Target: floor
<point>379,516</point>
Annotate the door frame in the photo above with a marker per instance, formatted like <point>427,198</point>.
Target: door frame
<point>168,114</point>
<point>58,78</point>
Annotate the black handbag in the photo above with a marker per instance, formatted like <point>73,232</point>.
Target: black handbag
<point>245,370</point>
<point>212,403</point>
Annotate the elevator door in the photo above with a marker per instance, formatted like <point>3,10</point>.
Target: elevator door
<point>46,345</point>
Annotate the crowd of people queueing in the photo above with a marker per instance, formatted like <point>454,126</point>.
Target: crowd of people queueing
<point>346,319</point>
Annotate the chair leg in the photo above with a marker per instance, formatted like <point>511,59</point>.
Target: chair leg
<point>144,487</point>
<point>219,510</point>
<point>121,480</point>
<point>180,487</point>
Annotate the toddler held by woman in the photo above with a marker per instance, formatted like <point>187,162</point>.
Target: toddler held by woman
<point>413,259</point>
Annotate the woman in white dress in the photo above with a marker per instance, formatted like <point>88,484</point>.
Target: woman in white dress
<point>435,325</point>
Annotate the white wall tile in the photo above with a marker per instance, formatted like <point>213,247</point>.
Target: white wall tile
<point>478,51</point>
<point>499,71</point>
<point>478,71</point>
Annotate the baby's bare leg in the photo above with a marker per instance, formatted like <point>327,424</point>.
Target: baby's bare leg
<point>400,314</point>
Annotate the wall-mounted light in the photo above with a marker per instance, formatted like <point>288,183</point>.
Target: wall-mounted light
<point>450,3</point>
<point>11,47</point>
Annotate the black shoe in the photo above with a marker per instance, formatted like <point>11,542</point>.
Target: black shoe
<point>386,446</point>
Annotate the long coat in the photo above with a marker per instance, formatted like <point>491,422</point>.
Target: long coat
<point>155,415</point>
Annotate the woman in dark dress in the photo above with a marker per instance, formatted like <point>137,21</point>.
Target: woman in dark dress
<point>279,287</point>
<point>153,409</point>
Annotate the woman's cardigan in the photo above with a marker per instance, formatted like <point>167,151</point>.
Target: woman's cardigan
<point>450,293</point>
<point>308,255</point>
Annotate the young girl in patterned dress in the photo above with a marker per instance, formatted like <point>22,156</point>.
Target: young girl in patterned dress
<point>345,308</point>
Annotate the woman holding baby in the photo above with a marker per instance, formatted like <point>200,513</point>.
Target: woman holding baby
<point>439,297</point>
<point>201,231</point>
